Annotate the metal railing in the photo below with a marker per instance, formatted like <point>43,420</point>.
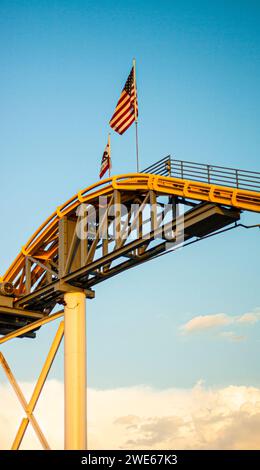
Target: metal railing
<point>213,174</point>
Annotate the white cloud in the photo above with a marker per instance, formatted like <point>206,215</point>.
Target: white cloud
<point>250,318</point>
<point>141,417</point>
<point>231,336</point>
<point>218,320</point>
<point>205,322</point>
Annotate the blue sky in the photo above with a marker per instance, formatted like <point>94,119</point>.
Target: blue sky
<point>62,67</point>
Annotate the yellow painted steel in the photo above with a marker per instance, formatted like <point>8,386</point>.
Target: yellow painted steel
<point>43,245</point>
<point>31,326</point>
<point>75,371</point>
<point>30,417</point>
<point>29,408</point>
<point>46,367</point>
<point>126,183</point>
<point>20,434</point>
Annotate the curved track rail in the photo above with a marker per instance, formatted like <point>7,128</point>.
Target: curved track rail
<point>103,230</point>
<point>54,259</point>
<point>128,184</point>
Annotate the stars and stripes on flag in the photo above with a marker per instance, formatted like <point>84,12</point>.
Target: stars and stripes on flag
<point>126,111</point>
<point>106,160</point>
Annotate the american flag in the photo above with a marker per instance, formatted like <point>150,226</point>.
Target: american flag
<point>106,160</point>
<point>126,111</point>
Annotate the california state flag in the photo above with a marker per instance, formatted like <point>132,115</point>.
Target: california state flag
<point>106,160</point>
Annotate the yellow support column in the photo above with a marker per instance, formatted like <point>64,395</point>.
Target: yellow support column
<point>75,371</point>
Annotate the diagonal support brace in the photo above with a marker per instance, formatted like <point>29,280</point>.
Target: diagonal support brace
<point>29,407</point>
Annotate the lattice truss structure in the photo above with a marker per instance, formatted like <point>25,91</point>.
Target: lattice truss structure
<point>107,228</point>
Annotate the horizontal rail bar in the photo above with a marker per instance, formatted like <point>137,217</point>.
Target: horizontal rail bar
<point>224,176</point>
<point>31,326</point>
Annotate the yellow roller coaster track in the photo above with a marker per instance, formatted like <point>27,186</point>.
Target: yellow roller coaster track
<point>64,259</point>
<point>132,182</point>
<point>55,257</point>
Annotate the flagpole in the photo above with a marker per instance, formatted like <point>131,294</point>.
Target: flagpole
<point>136,119</point>
<point>109,172</point>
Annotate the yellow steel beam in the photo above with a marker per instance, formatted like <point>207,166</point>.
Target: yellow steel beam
<point>31,326</point>
<point>29,408</point>
<point>75,371</point>
<point>30,417</point>
<point>135,182</point>
<point>233,197</point>
<point>46,367</point>
<point>15,311</point>
<point>20,433</point>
